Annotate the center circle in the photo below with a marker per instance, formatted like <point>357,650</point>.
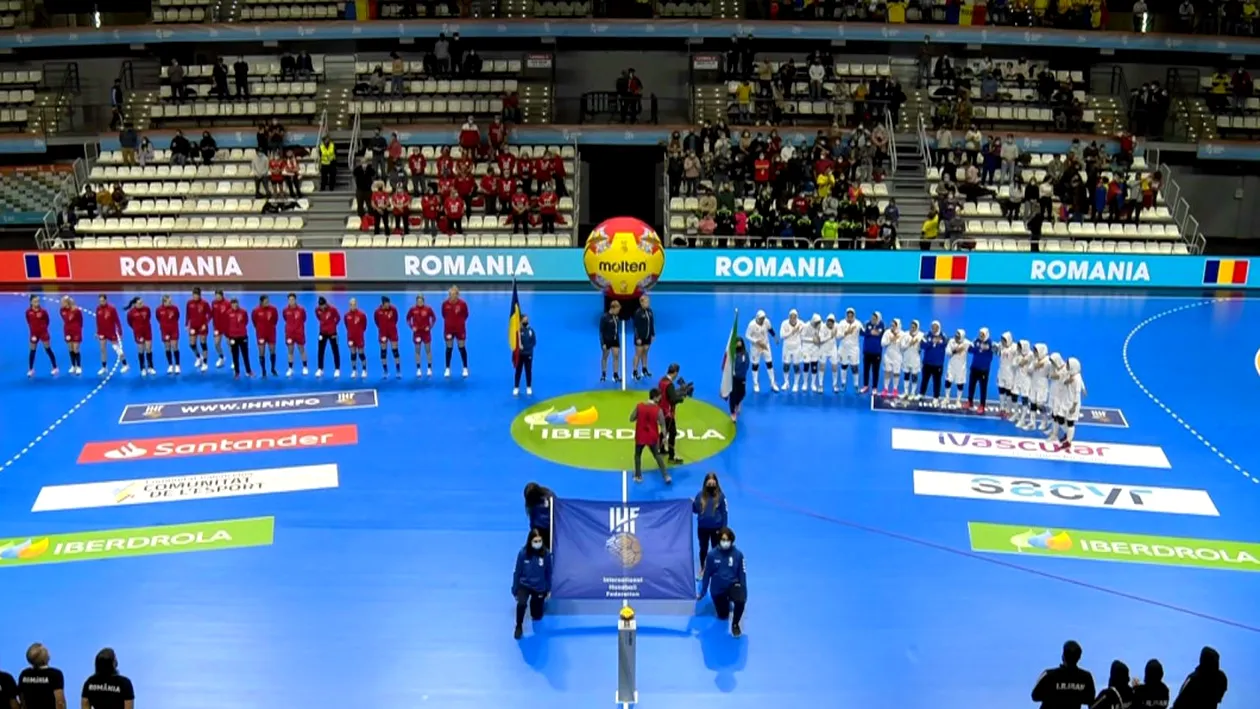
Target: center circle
<point>592,430</point>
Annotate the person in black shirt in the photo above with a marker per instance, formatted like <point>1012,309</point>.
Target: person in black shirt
<point>1206,686</point>
<point>41,686</point>
<point>1151,692</point>
<point>610,341</point>
<point>106,689</point>
<point>8,692</point>
<point>1066,686</point>
<point>1117,694</point>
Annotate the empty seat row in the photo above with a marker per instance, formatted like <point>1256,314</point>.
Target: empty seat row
<point>256,89</point>
<point>1170,248</point>
<point>686,9</point>
<point>183,14</point>
<point>1037,168</point>
<point>146,207</point>
<point>152,225</point>
<point>259,66</point>
<point>13,115</point>
<point>184,172</point>
<point>459,86</point>
<point>1001,227</point>
<point>411,241</point>
<point>310,11</point>
<point>442,107</point>
<point>565,9</point>
<point>413,68</point>
<point>474,222</point>
<point>17,96</point>
<point>1238,122</point>
<point>846,69</point>
<point>197,188</point>
<point>224,155</point>
<point>234,109</point>
<point>990,208</point>
<point>1010,67</point>
<point>1020,95</point>
<point>230,241</point>
<point>33,76</point>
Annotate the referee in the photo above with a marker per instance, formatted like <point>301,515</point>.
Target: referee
<point>106,689</point>
<point>41,686</point>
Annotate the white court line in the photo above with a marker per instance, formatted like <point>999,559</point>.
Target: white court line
<point>53,426</point>
<point>625,474</point>
<point>1132,375</point>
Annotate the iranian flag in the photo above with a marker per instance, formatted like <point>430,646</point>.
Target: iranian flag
<point>728,360</point>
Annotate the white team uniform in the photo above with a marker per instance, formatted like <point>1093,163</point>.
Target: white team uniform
<point>827,351</point>
<point>792,336</point>
<point>956,369</point>
<point>811,342</point>
<point>1023,364</point>
<point>891,342</point>
<point>849,334</point>
<point>1072,393</point>
<point>1006,365</point>
<point>758,336</point>
<point>911,355</point>
<point>1041,382</point>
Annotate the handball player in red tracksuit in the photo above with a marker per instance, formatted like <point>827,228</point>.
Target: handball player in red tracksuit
<point>265,318</point>
<point>108,330</point>
<point>37,322</point>
<point>421,319</point>
<point>218,315</point>
<point>197,320</point>
<point>455,328</point>
<point>140,318</point>
<point>168,330</point>
<point>356,336</point>
<point>295,332</point>
<point>237,326</point>
<point>72,325</point>
<point>386,318</point>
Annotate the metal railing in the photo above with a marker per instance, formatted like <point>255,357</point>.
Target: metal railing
<point>1170,191</point>
<point>577,193</point>
<point>892,143</point>
<point>924,145</point>
<point>356,134</point>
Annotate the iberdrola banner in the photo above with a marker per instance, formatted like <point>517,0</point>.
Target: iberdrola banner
<point>615,550</point>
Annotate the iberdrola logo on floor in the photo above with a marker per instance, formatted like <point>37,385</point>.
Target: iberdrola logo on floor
<point>593,430</point>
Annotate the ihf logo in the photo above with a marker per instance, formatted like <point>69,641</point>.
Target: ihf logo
<point>622,543</point>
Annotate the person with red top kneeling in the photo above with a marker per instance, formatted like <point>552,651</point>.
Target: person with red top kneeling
<point>356,331</point>
<point>548,208</point>
<point>295,331</point>
<point>455,328</point>
<point>140,318</point>
<point>421,319</point>
<point>168,329</point>
<point>37,322</point>
<point>265,318</point>
<point>72,325</point>
<point>238,338</point>
<point>649,419</point>
<point>453,206</point>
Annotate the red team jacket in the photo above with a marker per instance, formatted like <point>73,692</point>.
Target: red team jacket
<point>455,318</point>
<point>197,316</point>
<point>107,322</point>
<point>265,319</point>
<point>356,325</point>
<point>421,320</point>
<point>140,318</point>
<point>72,322</point>
<point>168,322</point>
<point>37,321</point>
<point>237,322</point>
<point>329,319</point>
<point>386,319</point>
<point>218,314</point>
<point>295,325</point>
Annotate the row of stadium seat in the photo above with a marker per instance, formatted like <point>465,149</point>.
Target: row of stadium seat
<point>413,68</point>
<point>17,97</point>
<point>156,225</point>
<point>438,107</point>
<point>235,109</point>
<point>440,87</point>
<point>1038,162</point>
<point>150,173</point>
<point>185,207</point>
<point>223,188</point>
<point>842,69</point>
<point>990,208</point>
<point>230,241</point>
<point>1087,229</point>
<point>21,78</point>
<point>360,241</point>
<point>280,13</point>
<point>1010,67</point>
<point>474,222</point>
<point>260,66</point>
<point>1092,246</point>
<point>180,15</point>
<point>13,115</point>
<point>257,89</point>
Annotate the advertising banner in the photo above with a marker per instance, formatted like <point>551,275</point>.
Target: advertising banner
<point>683,267</point>
<point>615,550</point>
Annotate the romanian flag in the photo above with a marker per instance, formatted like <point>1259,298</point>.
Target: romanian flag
<point>47,266</point>
<point>321,265</point>
<point>514,325</point>
<point>1216,272</point>
<point>943,268</point>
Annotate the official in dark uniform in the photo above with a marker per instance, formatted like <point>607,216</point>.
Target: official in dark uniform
<point>644,333</point>
<point>8,691</point>
<point>610,341</point>
<point>1066,686</point>
<point>531,581</point>
<point>41,686</point>
<point>725,579</point>
<point>527,340</point>
<point>538,501</point>
<point>106,689</point>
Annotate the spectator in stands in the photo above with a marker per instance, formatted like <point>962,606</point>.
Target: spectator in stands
<point>86,202</point>
<point>397,74</point>
<point>293,174</point>
<point>401,201</point>
<point>469,137</point>
<point>944,143</point>
<point>144,155</point>
<point>1242,87</point>
<point>393,153</point>
<point>381,207</point>
<point>548,210</point>
<point>442,54</point>
<point>378,147</point>
<point>634,98</point>
<point>1010,158</point>
<point>116,105</point>
<point>364,176</point>
<point>816,74</point>
<point>305,65</point>
<point>456,50</point>
<point>691,173</point>
<point>376,82</point>
<point>488,188</point>
<point>1185,13</point>
<point>240,71</point>
<point>118,199</point>
<point>207,147</point>
<point>472,63</point>
<point>261,169</point>
<point>511,107</point>
<point>453,208</point>
<point>220,74</point>
<point>1218,91</point>
<point>128,142</point>
<point>288,66</point>
<point>327,164</point>
<point>181,149</point>
<point>175,74</point>
<point>275,174</point>
<point>415,167</point>
<point>275,135</point>
<point>430,211</point>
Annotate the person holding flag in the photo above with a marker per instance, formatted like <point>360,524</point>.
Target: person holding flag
<point>521,339</point>
<point>734,370</point>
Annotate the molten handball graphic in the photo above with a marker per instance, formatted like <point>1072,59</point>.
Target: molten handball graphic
<point>624,257</point>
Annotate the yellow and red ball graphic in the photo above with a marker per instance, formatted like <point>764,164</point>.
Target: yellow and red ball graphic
<point>624,257</point>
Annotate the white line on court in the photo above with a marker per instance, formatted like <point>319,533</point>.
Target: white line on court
<point>1176,417</point>
<point>53,426</point>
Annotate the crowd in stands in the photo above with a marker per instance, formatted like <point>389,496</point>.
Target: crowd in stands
<point>1149,106</point>
<point>396,188</point>
<point>760,188</point>
<point>1062,14</point>
<point>959,86</point>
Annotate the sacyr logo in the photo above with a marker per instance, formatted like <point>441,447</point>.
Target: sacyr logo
<point>569,417</point>
<point>593,430</point>
<point>126,451</point>
<point>1045,540</point>
<point>23,550</point>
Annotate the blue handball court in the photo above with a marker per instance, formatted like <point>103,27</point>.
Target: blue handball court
<point>360,544</point>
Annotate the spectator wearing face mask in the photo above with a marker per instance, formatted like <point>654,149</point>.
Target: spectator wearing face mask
<point>710,509</point>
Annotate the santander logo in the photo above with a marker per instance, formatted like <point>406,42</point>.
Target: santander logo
<point>220,443</point>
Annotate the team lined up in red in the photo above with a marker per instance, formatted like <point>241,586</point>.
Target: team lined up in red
<point>224,318</point>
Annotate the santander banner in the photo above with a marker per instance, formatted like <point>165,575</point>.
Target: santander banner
<point>1028,448</point>
<point>167,447</point>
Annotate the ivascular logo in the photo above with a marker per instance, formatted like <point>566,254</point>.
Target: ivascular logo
<point>1029,448</point>
<point>219,443</point>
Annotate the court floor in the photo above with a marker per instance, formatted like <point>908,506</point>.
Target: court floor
<point>388,581</point>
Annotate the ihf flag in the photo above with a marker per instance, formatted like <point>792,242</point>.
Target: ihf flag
<point>623,550</point>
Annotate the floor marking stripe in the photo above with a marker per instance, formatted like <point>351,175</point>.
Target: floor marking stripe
<point>1133,375</point>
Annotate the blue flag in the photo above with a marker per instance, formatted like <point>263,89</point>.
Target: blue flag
<point>614,550</point>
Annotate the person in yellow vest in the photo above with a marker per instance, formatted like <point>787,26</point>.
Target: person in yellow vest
<point>931,230</point>
<point>327,165</point>
<point>825,181</point>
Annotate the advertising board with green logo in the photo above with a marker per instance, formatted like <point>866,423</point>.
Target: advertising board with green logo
<point>1115,546</point>
<point>593,430</point>
<point>138,541</point>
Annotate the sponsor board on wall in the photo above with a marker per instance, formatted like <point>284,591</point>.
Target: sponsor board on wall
<point>248,406</point>
<point>1029,448</point>
<point>1090,415</point>
<point>166,447</point>
<point>179,488</point>
<point>1068,493</point>
<point>1114,547</point>
<point>137,541</point>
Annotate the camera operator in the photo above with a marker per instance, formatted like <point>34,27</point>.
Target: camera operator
<point>673,391</point>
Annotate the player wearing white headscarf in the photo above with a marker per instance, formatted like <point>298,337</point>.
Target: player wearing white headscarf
<point>1024,360</point>
<point>982,351</point>
<point>848,346</point>
<point>1040,396</point>
<point>956,371</point>
<point>1007,351</point>
<point>1073,393</point>
<point>812,343</point>
<point>1058,375</point>
<point>791,334</point>
<point>912,359</point>
<point>891,342</point>
<point>828,352</point>
<point>759,333</point>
